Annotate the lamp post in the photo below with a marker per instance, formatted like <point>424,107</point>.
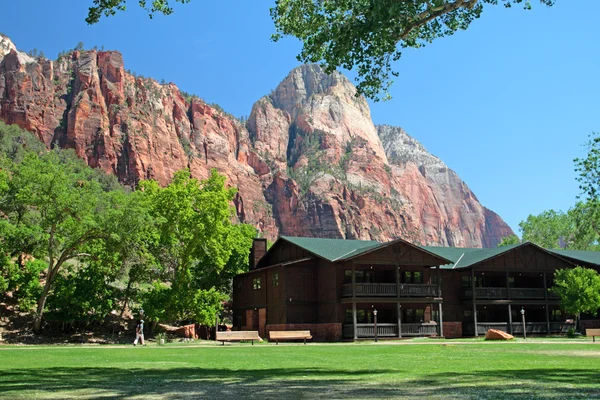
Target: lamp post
<point>375,324</point>
<point>523,319</point>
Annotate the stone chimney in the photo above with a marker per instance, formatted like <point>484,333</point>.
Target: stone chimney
<point>259,248</point>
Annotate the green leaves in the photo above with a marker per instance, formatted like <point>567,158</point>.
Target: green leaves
<point>579,290</point>
<point>99,247</point>
<point>368,35</point>
<point>108,8</point>
<point>198,245</point>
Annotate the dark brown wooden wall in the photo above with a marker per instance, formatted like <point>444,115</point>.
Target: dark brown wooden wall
<point>283,252</point>
<point>301,292</point>
<point>327,292</point>
<point>399,253</point>
<point>526,258</point>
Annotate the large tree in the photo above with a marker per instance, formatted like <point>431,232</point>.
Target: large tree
<point>195,245</point>
<point>366,35</point>
<point>579,290</point>
<point>557,229</point>
<point>53,207</point>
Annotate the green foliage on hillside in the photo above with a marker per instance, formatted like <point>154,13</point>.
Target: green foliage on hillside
<point>76,245</point>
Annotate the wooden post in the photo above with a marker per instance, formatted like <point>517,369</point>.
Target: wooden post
<point>397,281</point>
<point>354,319</point>
<point>474,298</point>
<point>353,281</point>
<point>399,320</point>
<point>441,319</point>
<point>439,282</point>
<point>398,306</point>
<point>546,304</point>
<point>510,328</point>
<point>354,300</point>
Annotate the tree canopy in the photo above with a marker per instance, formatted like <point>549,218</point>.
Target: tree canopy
<point>579,290</point>
<point>75,245</point>
<point>365,35</point>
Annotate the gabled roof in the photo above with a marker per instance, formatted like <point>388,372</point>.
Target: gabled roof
<point>342,249</point>
<point>334,250</point>
<point>466,257</point>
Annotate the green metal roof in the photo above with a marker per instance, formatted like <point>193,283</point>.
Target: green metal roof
<point>466,257</point>
<point>341,249</point>
<point>332,249</point>
<point>591,257</point>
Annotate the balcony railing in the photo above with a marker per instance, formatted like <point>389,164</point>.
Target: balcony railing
<point>389,290</point>
<point>517,327</point>
<point>390,330</point>
<point>510,293</point>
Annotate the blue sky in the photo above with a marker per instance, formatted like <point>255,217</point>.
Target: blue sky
<point>507,104</point>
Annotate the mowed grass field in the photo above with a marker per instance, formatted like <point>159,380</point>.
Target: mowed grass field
<point>443,370</point>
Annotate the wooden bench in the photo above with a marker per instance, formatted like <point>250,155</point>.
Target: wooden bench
<point>289,335</point>
<point>236,336</point>
<point>593,333</point>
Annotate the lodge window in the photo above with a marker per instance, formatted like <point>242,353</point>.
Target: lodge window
<point>556,315</point>
<point>466,281</point>
<point>412,277</point>
<point>256,283</point>
<point>276,279</point>
<point>361,276</point>
<point>413,315</point>
<point>361,317</point>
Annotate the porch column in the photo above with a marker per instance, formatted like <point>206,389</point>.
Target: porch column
<point>353,281</point>
<point>397,281</point>
<point>399,308</point>
<point>439,282</point>
<point>354,319</point>
<point>441,319</point>
<point>510,329</point>
<point>474,298</point>
<point>546,304</point>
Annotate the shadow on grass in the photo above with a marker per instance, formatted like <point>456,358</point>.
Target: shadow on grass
<point>289,383</point>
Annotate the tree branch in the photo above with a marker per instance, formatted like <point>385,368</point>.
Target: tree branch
<point>434,12</point>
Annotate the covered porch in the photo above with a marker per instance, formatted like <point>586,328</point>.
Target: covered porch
<point>539,319</point>
<point>392,320</point>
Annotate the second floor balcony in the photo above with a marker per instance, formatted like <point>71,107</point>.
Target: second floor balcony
<point>390,290</point>
<point>503,293</point>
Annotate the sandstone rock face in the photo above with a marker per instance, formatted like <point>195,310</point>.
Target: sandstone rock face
<point>494,334</point>
<point>438,194</point>
<point>308,162</point>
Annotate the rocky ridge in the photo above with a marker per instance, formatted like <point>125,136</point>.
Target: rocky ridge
<point>307,162</point>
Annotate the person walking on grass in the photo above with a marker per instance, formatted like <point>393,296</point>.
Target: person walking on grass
<point>139,333</point>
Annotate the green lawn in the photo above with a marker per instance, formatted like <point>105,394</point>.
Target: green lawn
<point>384,370</point>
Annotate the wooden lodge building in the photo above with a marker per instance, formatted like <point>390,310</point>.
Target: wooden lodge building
<point>334,287</point>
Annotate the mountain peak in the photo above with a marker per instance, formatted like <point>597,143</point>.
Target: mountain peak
<point>6,46</point>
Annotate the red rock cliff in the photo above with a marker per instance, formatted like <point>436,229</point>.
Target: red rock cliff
<point>309,160</point>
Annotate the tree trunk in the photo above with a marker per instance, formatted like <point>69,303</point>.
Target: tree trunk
<point>126,299</point>
<point>37,320</point>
